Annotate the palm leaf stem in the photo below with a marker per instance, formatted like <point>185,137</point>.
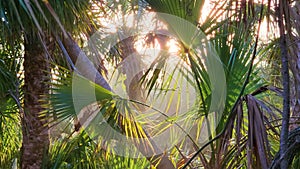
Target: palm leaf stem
<point>239,97</point>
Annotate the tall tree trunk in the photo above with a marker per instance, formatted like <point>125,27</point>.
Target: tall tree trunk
<point>294,61</point>
<point>282,16</point>
<point>35,132</point>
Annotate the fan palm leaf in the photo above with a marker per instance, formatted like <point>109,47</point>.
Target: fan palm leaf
<point>10,129</point>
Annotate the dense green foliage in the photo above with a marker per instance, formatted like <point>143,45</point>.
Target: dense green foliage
<point>246,133</point>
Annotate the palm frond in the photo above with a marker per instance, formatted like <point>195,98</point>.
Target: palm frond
<point>10,128</point>
<point>186,9</point>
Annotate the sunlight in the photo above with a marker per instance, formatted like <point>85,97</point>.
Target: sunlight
<point>173,46</point>
<point>207,7</point>
<point>263,32</point>
<point>148,52</point>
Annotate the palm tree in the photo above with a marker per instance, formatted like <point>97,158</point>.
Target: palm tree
<point>30,23</point>
<point>49,30</point>
<point>39,40</point>
<point>237,53</point>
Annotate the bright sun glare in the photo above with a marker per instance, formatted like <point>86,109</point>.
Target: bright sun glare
<point>148,23</point>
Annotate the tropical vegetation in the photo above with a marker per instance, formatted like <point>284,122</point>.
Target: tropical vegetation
<point>149,84</point>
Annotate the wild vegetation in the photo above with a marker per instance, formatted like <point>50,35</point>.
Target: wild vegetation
<point>149,84</point>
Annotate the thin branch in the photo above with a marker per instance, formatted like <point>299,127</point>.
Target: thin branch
<point>284,164</point>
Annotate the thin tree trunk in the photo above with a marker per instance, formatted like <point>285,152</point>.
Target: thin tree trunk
<point>35,132</point>
<point>286,87</point>
<point>82,63</point>
<point>294,63</point>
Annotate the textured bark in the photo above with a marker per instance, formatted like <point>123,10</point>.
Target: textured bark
<point>285,82</point>
<point>294,62</point>
<point>35,133</point>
